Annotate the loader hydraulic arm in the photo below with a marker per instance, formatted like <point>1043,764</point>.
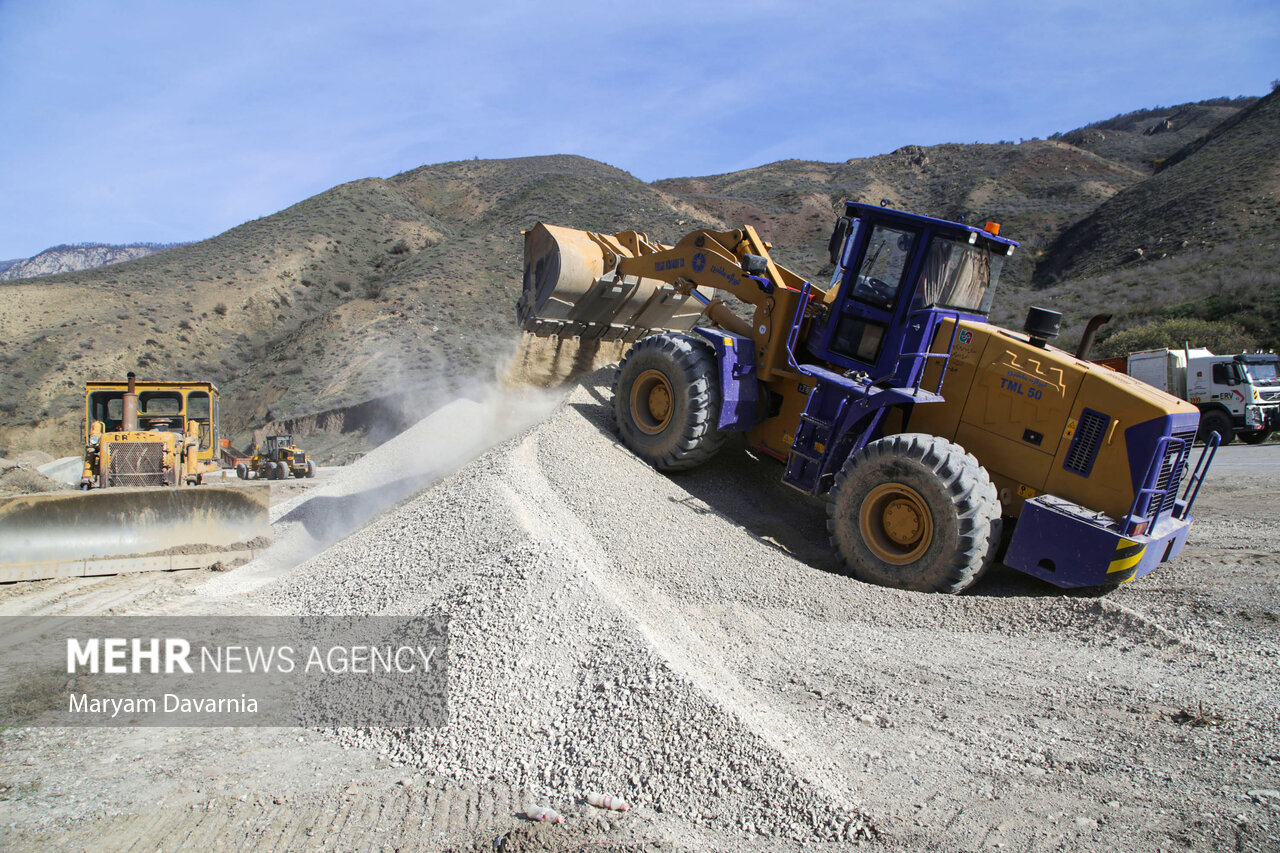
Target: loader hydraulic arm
<point>623,286</point>
<point>737,262</point>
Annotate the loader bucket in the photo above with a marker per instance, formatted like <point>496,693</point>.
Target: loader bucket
<point>100,528</point>
<point>572,289</point>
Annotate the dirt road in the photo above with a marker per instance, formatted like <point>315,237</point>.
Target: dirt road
<point>688,642</point>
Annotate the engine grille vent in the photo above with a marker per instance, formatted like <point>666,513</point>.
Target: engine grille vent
<point>1170,480</point>
<point>1084,447</point>
<point>137,464</point>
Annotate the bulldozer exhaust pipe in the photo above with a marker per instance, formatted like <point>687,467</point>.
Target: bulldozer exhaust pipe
<point>129,406</point>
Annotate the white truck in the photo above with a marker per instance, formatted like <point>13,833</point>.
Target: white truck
<point>1238,395</point>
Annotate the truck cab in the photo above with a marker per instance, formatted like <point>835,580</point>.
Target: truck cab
<point>1238,394</point>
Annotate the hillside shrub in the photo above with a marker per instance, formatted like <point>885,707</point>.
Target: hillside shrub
<point>1218,336</point>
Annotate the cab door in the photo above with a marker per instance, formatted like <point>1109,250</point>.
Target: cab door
<point>860,335</point>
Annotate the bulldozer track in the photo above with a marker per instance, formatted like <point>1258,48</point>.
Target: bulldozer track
<point>434,816</point>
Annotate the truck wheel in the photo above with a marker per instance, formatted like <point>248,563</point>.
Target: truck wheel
<point>1217,421</point>
<point>916,512</point>
<point>1256,437</point>
<point>666,396</point>
<point>242,471</point>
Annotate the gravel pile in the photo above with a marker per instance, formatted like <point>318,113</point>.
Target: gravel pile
<point>22,478</point>
<point>440,443</point>
<point>688,643</point>
<point>563,678</point>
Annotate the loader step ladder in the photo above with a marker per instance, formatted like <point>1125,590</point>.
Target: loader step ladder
<point>838,403</point>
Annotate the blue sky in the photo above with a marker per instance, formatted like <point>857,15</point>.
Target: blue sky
<point>169,121</point>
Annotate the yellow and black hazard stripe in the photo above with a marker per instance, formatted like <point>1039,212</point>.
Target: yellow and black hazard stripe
<point>1125,561</point>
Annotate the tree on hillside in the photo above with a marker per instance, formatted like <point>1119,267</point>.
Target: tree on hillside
<point>1217,336</point>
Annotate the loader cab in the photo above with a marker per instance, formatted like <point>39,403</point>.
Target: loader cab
<point>897,276</point>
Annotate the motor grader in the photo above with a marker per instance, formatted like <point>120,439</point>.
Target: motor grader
<point>276,460</point>
<point>146,443</point>
<point>942,443</point>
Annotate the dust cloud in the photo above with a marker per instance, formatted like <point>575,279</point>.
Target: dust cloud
<point>521,392</point>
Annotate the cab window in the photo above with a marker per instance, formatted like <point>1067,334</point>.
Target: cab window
<point>198,410</point>
<point>957,275</point>
<point>883,266</point>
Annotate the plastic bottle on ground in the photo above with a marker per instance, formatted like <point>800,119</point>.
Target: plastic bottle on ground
<point>608,801</point>
<point>544,813</point>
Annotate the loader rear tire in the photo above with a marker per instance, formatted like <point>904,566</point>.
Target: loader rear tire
<point>666,397</point>
<point>242,471</point>
<point>916,512</point>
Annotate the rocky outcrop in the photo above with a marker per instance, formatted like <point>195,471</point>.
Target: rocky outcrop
<point>79,257</point>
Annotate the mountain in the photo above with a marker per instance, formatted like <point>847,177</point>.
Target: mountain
<point>1034,189</point>
<point>81,256</point>
<point>377,300</point>
<point>1200,238</point>
<point>400,290</point>
<point>1144,139</point>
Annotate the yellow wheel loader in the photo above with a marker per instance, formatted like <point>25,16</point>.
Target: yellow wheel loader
<point>147,444</point>
<point>941,442</point>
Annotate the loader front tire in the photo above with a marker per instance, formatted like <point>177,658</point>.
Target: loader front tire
<point>242,471</point>
<point>916,512</point>
<point>666,397</point>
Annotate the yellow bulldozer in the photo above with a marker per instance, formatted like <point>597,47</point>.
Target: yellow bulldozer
<point>149,433</point>
<point>147,447</point>
<point>942,443</point>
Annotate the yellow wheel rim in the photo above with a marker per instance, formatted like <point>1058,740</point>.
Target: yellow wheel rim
<point>896,523</point>
<point>652,401</point>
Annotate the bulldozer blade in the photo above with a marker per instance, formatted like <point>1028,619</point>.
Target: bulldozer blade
<point>41,535</point>
<point>572,290</point>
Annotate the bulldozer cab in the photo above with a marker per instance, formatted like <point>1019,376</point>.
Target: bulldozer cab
<point>897,275</point>
<point>162,407</point>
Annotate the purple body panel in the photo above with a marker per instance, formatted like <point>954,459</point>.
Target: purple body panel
<point>1070,546</point>
<point>739,387</point>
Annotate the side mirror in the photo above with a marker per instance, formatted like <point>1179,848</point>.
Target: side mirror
<point>838,235</point>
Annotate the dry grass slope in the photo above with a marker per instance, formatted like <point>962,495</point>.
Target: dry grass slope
<point>389,296</point>
<point>1198,239</point>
